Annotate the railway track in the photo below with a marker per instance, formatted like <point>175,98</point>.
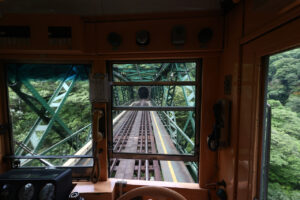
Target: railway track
<point>120,139</point>
<point>135,135</point>
<point>137,132</point>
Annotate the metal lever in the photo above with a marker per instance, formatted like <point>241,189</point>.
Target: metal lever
<point>99,116</point>
<point>100,134</point>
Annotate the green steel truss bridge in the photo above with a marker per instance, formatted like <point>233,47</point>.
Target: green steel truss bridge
<point>174,94</point>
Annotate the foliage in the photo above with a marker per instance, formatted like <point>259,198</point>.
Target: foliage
<point>284,75</point>
<point>284,98</point>
<point>75,114</point>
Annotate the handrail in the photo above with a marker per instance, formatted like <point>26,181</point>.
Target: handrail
<point>266,154</point>
<point>40,155</point>
<point>64,140</point>
<point>179,129</point>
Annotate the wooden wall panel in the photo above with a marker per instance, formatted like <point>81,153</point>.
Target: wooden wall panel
<point>100,67</point>
<point>262,17</point>
<point>208,159</point>
<point>230,65</point>
<point>259,13</point>
<point>39,30</point>
<point>160,35</point>
<point>250,132</point>
<point>247,126</point>
<point>90,35</point>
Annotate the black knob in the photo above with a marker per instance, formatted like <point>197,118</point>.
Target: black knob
<point>75,196</point>
<point>47,192</point>
<point>205,35</point>
<point>114,39</point>
<point>26,192</point>
<point>221,193</point>
<point>142,38</point>
<point>7,193</point>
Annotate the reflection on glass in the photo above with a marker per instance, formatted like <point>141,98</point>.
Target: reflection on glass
<point>183,95</point>
<point>156,131</point>
<point>147,72</point>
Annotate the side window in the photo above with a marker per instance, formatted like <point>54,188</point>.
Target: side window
<point>281,141</point>
<point>154,131</point>
<point>50,114</point>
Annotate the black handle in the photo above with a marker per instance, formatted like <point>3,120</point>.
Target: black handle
<point>213,139</point>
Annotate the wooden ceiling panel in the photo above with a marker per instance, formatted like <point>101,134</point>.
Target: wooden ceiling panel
<point>105,7</point>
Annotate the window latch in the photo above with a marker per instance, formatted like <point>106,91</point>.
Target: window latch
<point>220,183</point>
<point>16,164</point>
<point>3,128</point>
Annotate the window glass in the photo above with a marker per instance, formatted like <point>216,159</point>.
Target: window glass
<point>165,132</point>
<point>50,112</point>
<point>146,72</point>
<point>167,95</point>
<point>281,163</point>
<point>153,113</point>
<point>153,170</point>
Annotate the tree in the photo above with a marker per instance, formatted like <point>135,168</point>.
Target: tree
<point>284,98</point>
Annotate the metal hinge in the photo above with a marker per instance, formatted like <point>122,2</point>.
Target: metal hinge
<point>3,128</point>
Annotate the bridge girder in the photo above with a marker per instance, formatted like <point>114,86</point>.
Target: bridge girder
<point>48,117</point>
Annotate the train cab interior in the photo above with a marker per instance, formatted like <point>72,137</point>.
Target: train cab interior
<point>158,99</point>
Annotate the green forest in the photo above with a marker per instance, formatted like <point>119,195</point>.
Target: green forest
<point>28,86</point>
<point>284,99</point>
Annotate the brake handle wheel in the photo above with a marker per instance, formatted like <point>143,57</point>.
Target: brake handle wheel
<point>152,191</point>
